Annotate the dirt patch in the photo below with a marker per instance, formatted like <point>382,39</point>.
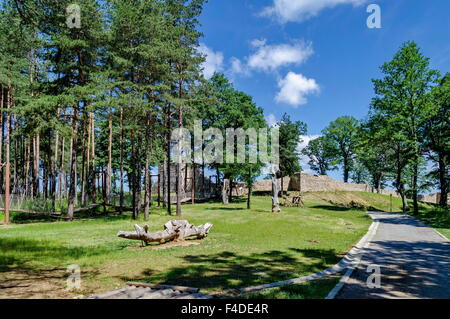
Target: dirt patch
<point>23,284</point>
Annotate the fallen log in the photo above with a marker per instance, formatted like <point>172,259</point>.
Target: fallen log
<point>89,207</point>
<point>175,230</point>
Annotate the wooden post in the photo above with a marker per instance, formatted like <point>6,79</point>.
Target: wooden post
<point>391,203</point>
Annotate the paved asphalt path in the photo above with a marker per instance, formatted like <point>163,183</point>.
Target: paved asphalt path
<point>414,262</point>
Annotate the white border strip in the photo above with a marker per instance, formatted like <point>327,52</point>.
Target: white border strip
<point>332,294</point>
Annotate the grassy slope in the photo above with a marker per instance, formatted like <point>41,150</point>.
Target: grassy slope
<point>431,214</point>
<point>244,248</point>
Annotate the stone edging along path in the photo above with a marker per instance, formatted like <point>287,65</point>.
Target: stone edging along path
<point>349,262</point>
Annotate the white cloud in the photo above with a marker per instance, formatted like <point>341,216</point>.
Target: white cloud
<point>294,88</point>
<point>300,10</point>
<point>271,120</point>
<point>271,57</point>
<point>213,62</point>
<point>305,139</point>
<point>237,67</point>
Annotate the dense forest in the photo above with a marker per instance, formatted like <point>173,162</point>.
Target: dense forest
<point>90,96</point>
<point>89,100</point>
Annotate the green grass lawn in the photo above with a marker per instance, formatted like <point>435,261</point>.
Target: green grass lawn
<point>245,248</point>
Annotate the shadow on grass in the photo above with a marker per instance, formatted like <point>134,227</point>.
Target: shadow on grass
<point>24,218</point>
<point>345,208</point>
<point>227,208</point>
<point>333,208</point>
<point>437,218</point>
<point>19,253</point>
<point>228,270</point>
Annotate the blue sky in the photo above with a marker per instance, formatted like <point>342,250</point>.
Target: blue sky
<point>314,59</point>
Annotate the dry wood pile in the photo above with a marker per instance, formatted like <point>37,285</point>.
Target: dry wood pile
<point>174,230</point>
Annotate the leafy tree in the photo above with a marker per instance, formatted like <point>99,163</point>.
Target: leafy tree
<point>401,97</point>
<point>359,174</point>
<point>224,107</point>
<point>290,136</point>
<point>436,135</point>
<point>342,134</point>
<point>320,154</point>
<point>374,151</point>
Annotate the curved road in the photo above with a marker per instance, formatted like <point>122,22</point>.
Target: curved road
<point>414,261</point>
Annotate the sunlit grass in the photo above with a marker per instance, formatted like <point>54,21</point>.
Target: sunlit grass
<point>245,247</point>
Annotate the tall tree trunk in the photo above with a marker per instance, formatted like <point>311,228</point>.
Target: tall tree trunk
<point>147,188</point>
<point>179,164</point>
<point>443,181</point>
<point>54,171</point>
<point>109,168</point>
<point>2,135</point>
<point>147,173</point>
<point>399,184</point>
<point>7,164</point>
<point>85,167</point>
<point>27,168</point>
<point>16,154</point>
<point>93,168</point>
<point>164,184</point>
<point>249,195</point>
<point>203,179</point>
<point>169,164</point>
<point>73,165</point>
<point>231,190</point>
<point>415,192</point>
<point>36,165</point>
<point>133,175</point>
<point>346,170</point>
<point>121,162</point>
<point>194,182</point>
<point>62,179</point>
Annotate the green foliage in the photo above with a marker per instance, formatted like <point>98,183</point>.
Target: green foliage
<point>290,136</point>
<point>342,136</point>
<point>401,97</point>
<point>320,152</point>
<point>223,107</point>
